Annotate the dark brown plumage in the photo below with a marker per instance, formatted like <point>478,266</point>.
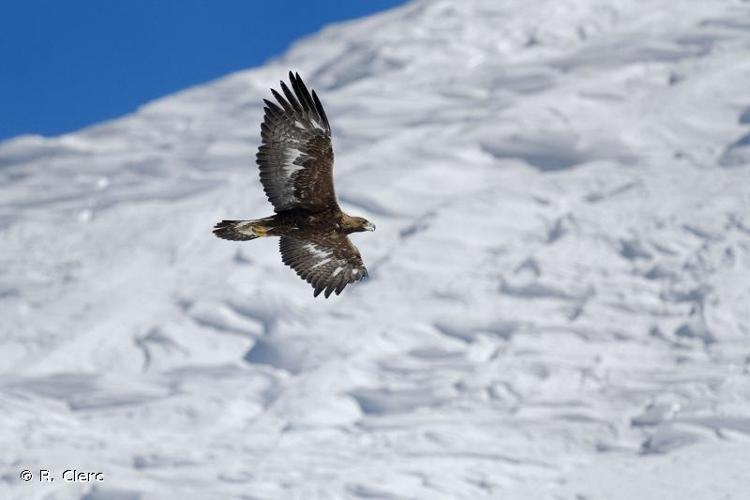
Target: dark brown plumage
<point>296,170</point>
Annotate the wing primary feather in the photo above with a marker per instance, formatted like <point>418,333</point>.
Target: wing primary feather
<point>295,86</point>
<point>273,109</point>
<point>333,283</point>
<point>341,285</point>
<point>321,111</point>
<point>292,100</point>
<point>287,107</point>
<point>265,128</point>
<point>303,93</point>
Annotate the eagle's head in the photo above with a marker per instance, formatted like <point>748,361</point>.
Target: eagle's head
<point>356,224</point>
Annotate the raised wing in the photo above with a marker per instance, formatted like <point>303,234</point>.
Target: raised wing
<point>328,263</point>
<point>296,156</point>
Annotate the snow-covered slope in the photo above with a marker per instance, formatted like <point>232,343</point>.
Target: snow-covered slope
<point>559,301</point>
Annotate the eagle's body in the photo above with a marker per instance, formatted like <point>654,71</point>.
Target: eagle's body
<point>296,170</point>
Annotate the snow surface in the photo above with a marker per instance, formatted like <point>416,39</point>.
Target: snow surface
<point>559,295</point>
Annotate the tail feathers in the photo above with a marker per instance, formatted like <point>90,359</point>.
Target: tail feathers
<point>238,230</point>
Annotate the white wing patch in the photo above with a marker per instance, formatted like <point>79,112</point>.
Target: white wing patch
<point>321,263</point>
<point>289,166</point>
<point>317,251</point>
<point>317,125</point>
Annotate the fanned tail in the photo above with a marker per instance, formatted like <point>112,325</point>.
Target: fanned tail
<point>239,230</point>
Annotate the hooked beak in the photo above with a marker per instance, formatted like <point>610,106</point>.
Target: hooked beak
<point>370,226</point>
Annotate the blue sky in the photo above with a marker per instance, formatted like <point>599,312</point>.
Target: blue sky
<point>68,64</point>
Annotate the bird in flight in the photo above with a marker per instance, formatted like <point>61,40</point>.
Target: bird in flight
<point>296,170</point>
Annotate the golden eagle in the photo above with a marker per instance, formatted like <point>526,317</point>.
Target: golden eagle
<point>296,170</point>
